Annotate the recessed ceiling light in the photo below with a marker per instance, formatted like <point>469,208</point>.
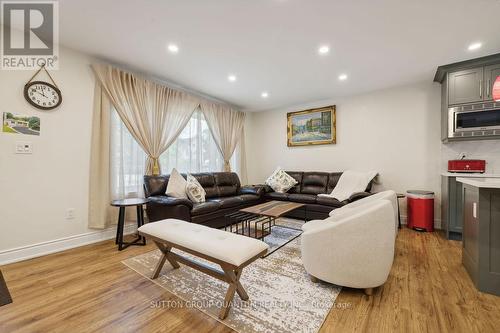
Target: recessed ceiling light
<point>231,78</point>
<point>324,49</point>
<point>173,48</point>
<point>475,46</point>
<point>343,77</point>
<point>264,94</point>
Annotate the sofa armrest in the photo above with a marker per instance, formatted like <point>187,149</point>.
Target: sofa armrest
<point>358,195</point>
<point>253,189</point>
<point>165,200</point>
<point>161,207</point>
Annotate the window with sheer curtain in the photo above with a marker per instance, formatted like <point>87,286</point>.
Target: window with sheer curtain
<point>193,151</point>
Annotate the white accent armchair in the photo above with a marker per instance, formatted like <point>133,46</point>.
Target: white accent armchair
<point>385,195</point>
<point>354,249</point>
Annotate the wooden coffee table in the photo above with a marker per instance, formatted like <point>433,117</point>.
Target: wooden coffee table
<point>257,221</point>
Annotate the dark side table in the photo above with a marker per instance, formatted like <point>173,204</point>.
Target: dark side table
<point>138,203</point>
<point>400,196</point>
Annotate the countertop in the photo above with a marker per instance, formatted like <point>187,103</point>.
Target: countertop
<point>481,182</point>
<point>470,175</point>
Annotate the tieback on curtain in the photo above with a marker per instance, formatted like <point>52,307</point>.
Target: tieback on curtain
<point>156,166</point>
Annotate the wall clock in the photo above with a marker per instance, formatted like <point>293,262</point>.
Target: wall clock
<point>42,95</point>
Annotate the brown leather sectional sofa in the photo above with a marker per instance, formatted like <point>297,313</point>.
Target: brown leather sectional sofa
<point>226,195</point>
<point>310,184</point>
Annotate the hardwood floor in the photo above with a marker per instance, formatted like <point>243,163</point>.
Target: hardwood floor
<point>88,290</point>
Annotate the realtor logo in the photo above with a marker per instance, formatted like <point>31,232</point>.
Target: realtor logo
<point>30,35</point>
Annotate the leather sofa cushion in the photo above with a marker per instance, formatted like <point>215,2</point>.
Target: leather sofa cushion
<point>333,179</point>
<point>319,209</point>
<point>228,183</point>
<point>334,203</point>
<point>227,202</point>
<point>302,198</point>
<point>205,207</point>
<point>297,175</point>
<point>155,185</point>
<point>247,198</point>
<point>314,182</point>
<point>277,196</point>
<point>207,181</point>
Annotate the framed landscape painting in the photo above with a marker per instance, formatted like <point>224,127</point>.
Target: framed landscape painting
<point>312,127</point>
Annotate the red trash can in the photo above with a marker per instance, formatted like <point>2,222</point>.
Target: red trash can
<point>420,207</point>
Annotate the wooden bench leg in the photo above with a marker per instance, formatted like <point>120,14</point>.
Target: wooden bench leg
<point>159,266</point>
<point>235,278</point>
<point>165,256</point>
<point>227,301</point>
<point>234,286</point>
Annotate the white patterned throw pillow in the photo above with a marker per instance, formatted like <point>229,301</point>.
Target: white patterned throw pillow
<point>280,181</point>
<point>194,190</point>
<point>176,186</point>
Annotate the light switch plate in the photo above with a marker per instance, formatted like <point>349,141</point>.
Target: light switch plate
<point>24,148</point>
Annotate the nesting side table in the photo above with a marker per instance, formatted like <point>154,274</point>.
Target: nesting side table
<point>122,204</point>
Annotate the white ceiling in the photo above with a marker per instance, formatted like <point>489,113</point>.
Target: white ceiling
<point>271,45</point>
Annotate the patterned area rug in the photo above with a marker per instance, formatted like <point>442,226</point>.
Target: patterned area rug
<point>282,297</point>
<point>285,231</point>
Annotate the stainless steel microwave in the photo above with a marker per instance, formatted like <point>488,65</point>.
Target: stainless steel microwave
<point>475,120</point>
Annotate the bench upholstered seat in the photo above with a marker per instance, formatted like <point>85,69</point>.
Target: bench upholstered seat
<point>231,251</point>
<point>218,244</point>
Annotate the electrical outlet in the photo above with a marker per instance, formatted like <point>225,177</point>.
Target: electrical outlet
<point>70,214</point>
<point>24,148</point>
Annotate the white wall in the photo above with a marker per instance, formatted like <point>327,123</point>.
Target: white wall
<point>395,132</point>
<point>36,190</point>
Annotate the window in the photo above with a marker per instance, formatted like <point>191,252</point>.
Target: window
<point>193,151</point>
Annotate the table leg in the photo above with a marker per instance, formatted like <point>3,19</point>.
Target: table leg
<point>399,217</point>
<point>140,222</point>
<point>119,229</point>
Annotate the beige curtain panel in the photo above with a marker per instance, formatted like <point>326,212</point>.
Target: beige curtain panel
<point>154,114</point>
<point>101,214</point>
<point>226,126</point>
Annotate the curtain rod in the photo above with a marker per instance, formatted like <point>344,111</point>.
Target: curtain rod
<point>147,75</point>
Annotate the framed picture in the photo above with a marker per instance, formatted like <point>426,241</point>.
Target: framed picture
<point>312,127</point>
<point>20,124</point>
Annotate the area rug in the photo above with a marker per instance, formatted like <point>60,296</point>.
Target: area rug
<point>285,231</point>
<point>282,297</point>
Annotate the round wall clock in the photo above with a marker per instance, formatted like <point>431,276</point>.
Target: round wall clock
<point>42,95</point>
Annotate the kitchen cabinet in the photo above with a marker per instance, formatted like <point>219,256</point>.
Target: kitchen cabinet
<point>481,233</point>
<point>490,75</point>
<point>466,86</point>
<point>452,207</point>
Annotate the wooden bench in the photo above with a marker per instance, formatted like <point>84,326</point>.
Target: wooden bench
<point>230,251</point>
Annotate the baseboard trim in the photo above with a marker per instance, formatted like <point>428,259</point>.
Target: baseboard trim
<point>37,250</point>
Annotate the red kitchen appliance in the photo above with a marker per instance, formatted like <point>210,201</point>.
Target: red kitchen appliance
<point>420,210</point>
<point>495,92</point>
<point>467,166</point>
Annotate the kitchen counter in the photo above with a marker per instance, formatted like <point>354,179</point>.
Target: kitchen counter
<point>481,182</point>
<point>481,232</point>
<point>470,175</point>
